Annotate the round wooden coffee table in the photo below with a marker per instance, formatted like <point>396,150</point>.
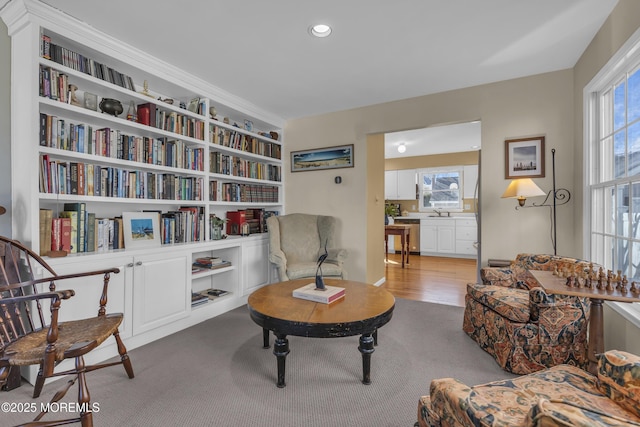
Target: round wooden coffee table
<point>362,310</point>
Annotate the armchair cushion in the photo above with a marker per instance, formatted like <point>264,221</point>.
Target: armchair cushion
<point>510,303</point>
<point>619,379</point>
<point>562,395</point>
<point>297,240</point>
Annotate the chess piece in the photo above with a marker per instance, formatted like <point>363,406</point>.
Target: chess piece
<point>601,277</point>
<point>634,289</point>
<point>623,285</point>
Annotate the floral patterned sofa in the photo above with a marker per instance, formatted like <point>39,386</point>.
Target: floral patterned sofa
<point>563,395</point>
<point>519,324</point>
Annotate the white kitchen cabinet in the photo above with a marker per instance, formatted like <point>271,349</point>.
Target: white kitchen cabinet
<point>437,236</point>
<point>400,184</point>
<point>391,185</point>
<point>466,236</point>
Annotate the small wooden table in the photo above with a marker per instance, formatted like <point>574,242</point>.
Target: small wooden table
<point>362,310</point>
<point>401,230</point>
<point>557,285</point>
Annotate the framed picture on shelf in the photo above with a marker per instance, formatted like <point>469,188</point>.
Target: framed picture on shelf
<point>193,105</point>
<point>340,156</point>
<point>141,230</point>
<point>90,101</point>
<point>524,158</point>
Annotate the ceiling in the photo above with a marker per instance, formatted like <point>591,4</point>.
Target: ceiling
<point>433,140</point>
<point>379,51</point>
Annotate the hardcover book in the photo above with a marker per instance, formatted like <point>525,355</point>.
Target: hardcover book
<point>329,295</point>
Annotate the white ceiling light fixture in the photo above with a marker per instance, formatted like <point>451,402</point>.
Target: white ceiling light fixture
<point>402,148</point>
<point>320,30</point>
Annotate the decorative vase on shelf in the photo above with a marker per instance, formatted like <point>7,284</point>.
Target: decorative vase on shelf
<point>111,106</point>
<point>216,233</point>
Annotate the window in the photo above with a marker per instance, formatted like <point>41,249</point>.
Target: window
<point>612,165</point>
<point>440,188</point>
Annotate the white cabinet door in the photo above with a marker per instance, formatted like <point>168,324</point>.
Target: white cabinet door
<point>88,290</point>
<point>428,238</point>
<point>255,256</point>
<point>469,181</point>
<point>407,184</point>
<point>161,293</point>
<point>391,185</point>
<point>446,239</point>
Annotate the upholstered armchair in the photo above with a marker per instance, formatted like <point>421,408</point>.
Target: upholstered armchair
<point>297,240</point>
<point>525,329</point>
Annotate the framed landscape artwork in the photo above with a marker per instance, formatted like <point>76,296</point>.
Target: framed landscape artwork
<point>524,158</point>
<point>141,230</point>
<point>322,158</point>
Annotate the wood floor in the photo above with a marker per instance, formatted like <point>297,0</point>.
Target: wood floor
<point>431,279</point>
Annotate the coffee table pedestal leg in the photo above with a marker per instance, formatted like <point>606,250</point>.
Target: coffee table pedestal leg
<point>366,348</point>
<point>280,350</point>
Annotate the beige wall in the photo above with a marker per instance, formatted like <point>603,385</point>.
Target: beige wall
<point>537,105</point>
<point>621,24</point>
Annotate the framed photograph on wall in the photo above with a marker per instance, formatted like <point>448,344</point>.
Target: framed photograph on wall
<point>322,158</point>
<point>524,158</point>
<point>141,230</point>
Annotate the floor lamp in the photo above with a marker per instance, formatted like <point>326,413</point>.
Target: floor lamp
<point>525,187</point>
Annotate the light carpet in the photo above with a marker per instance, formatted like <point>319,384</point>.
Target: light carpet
<point>217,374</point>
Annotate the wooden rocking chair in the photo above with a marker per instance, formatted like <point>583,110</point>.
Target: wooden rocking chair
<point>26,338</point>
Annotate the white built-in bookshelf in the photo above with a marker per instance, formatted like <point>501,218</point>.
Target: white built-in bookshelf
<point>164,154</point>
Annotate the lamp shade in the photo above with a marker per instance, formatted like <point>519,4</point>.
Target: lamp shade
<point>521,189</point>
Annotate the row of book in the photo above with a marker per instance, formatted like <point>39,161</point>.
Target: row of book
<point>246,193</point>
<point>149,114</point>
<point>182,226</point>
<point>63,134</point>
<point>253,220</point>
<point>237,166</point>
<point>237,140</point>
<point>54,84</point>
<point>87,179</point>
<point>81,63</point>
<point>75,230</point>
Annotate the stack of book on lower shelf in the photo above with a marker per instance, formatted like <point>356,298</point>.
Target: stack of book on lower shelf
<point>208,263</point>
<point>198,298</point>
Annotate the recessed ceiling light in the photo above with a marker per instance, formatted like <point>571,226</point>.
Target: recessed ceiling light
<point>320,30</point>
<point>402,148</point>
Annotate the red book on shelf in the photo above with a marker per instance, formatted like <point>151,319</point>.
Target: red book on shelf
<point>147,114</point>
<point>65,234</point>
<point>61,234</point>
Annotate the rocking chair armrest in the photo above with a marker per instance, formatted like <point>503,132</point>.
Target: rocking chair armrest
<point>65,294</point>
<point>69,276</point>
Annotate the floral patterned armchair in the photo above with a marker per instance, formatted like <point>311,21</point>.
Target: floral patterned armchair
<point>563,395</point>
<point>519,324</point>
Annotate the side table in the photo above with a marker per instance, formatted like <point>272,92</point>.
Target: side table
<point>557,285</point>
<point>401,230</point>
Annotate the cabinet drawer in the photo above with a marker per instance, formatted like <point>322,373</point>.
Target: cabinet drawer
<point>464,247</point>
<point>466,222</point>
<point>466,233</point>
<point>438,222</point>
